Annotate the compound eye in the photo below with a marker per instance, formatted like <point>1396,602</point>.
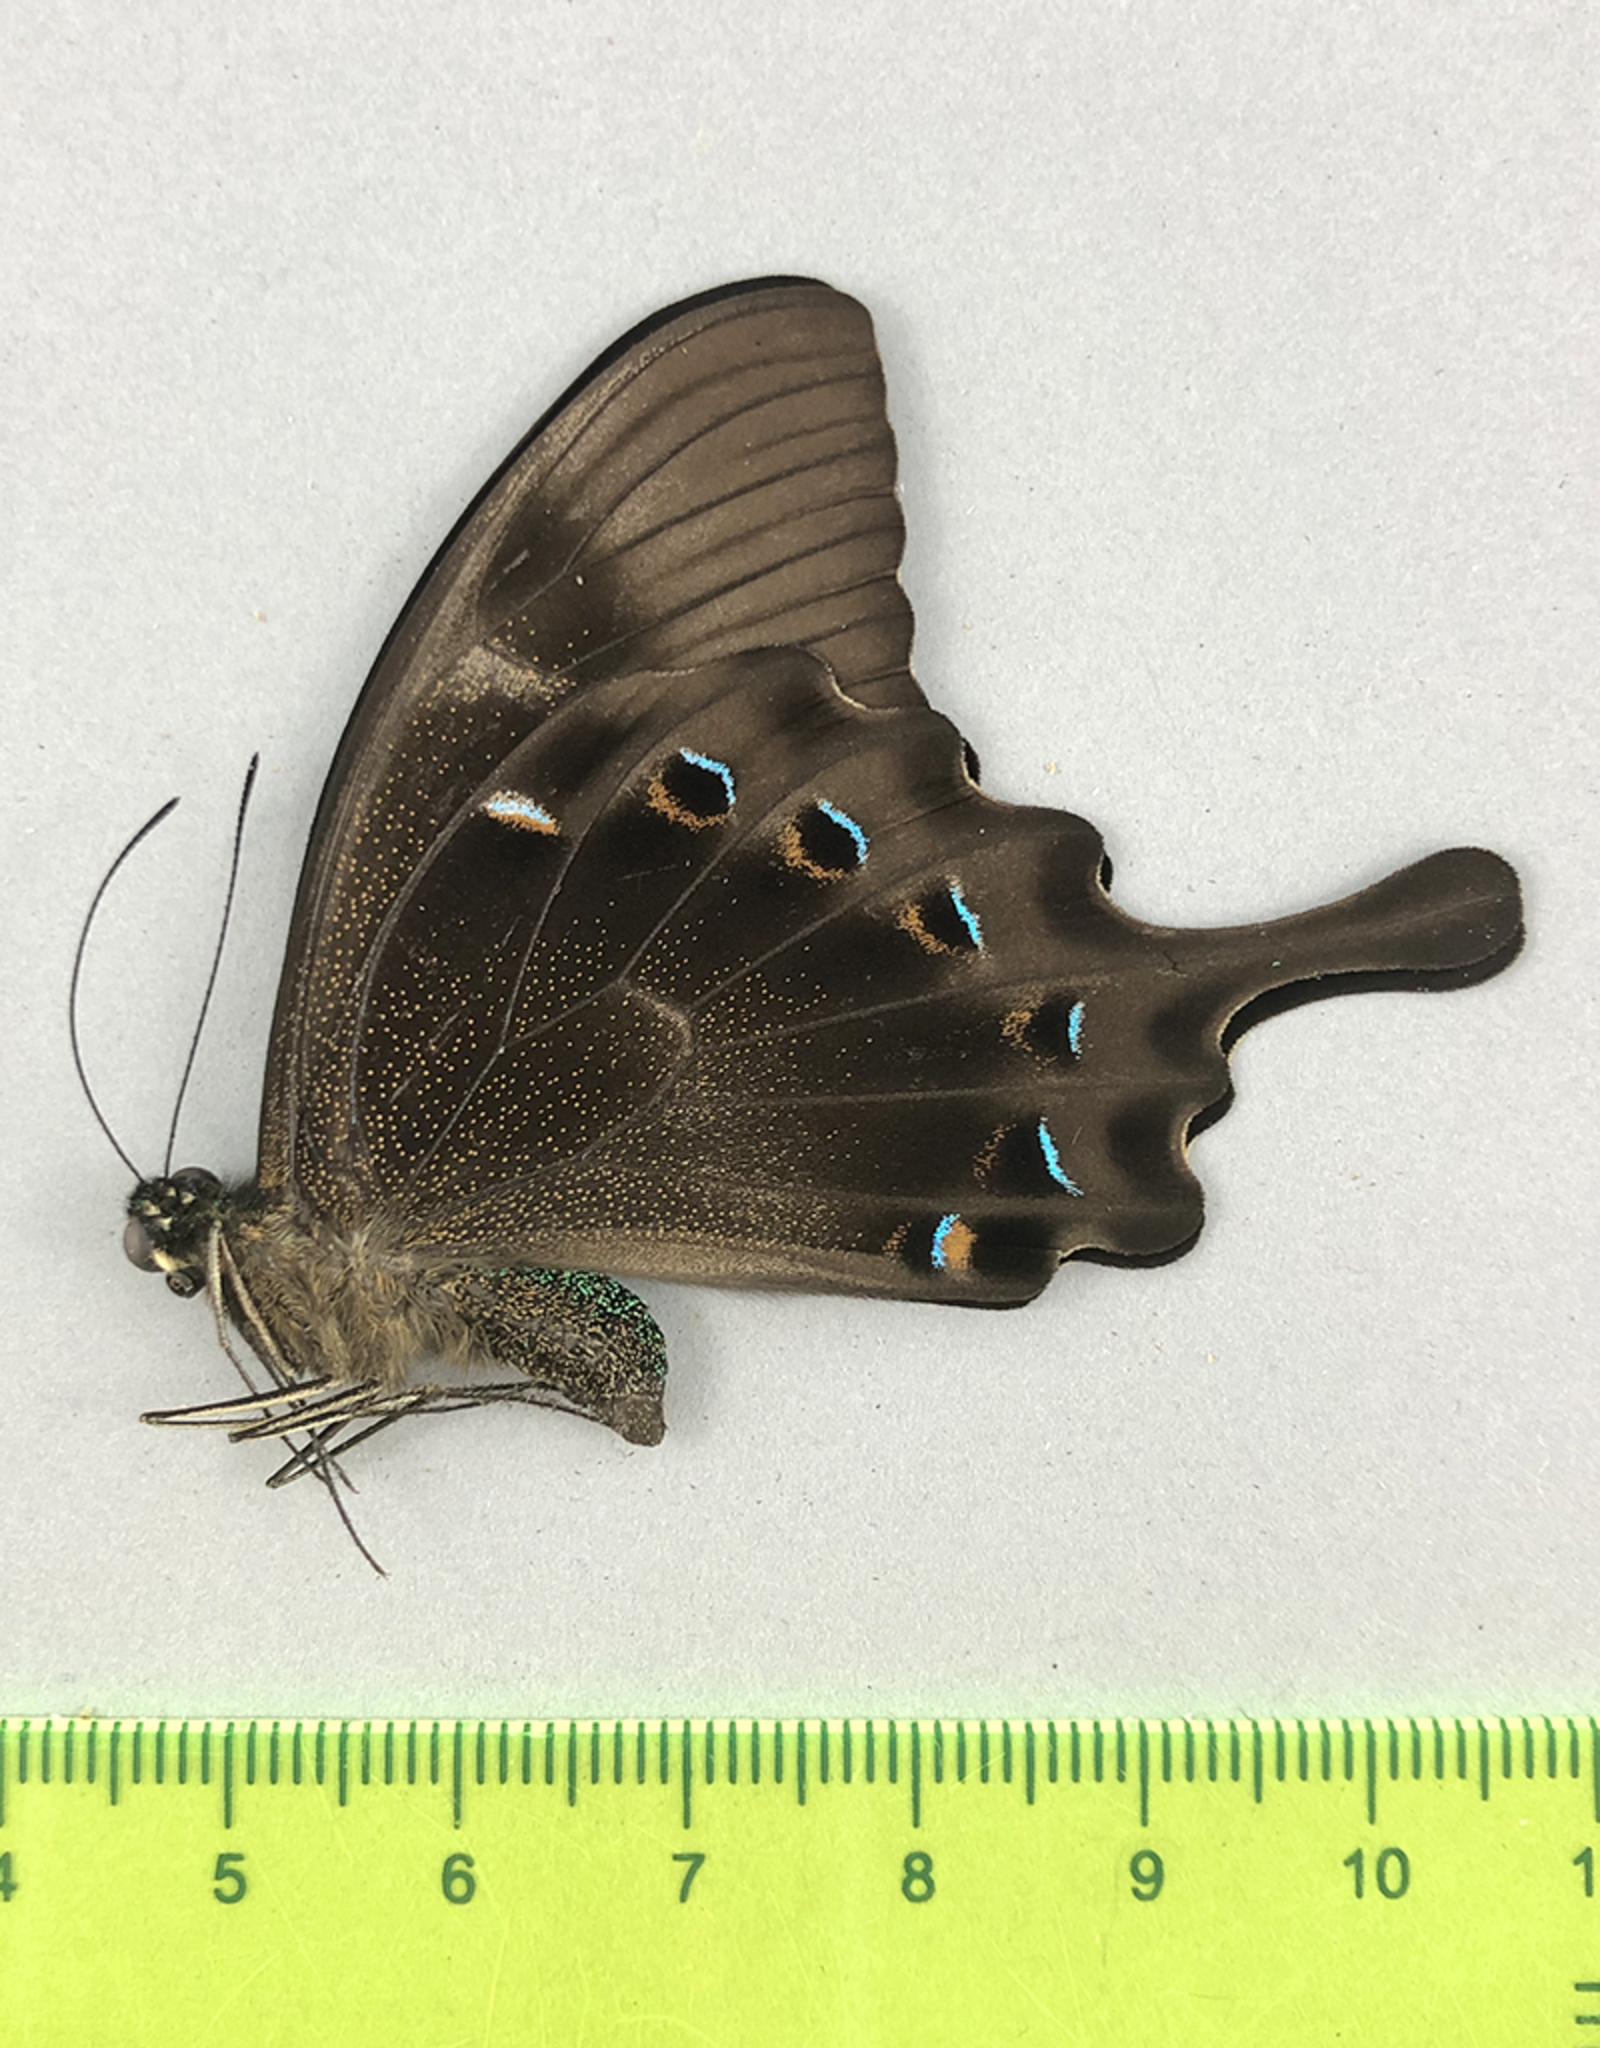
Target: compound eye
<point>196,1180</point>
<point>139,1245</point>
<point>184,1283</point>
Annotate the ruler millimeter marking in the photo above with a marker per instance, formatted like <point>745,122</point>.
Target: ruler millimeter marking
<point>1150,1754</point>
<point>851,1882</point>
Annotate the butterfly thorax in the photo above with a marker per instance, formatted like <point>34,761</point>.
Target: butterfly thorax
<point>344,1304</point>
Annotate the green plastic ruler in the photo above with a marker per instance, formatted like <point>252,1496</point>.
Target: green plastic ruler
<point>828,1883</point>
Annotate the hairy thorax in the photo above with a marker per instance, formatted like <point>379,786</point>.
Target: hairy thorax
<point>346,1305</point>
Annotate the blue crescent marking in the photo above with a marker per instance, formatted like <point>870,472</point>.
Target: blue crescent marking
<point>518,807</point>
<point>716,767</point>
<point>1052,1161</point>
<point>968,916</point>
<point>1075,1030</point>
<point>849,824</point>
<point>941,1230</point>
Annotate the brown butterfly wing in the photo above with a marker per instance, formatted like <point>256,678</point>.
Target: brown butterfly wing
<point>652,922</point>
<point>721,975</point>
<point>723,478</point>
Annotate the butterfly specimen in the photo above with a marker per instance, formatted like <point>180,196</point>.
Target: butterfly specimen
<point>653,923</point>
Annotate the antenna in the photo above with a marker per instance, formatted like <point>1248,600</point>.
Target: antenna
<point>216,957</point>
<point>144,830</point>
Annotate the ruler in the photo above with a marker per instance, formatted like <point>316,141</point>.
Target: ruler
<point>833,1883</point>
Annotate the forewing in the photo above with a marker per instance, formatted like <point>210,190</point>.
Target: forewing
<point>722,479</point>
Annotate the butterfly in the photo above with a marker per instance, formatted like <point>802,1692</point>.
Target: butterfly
<point>654,924</point>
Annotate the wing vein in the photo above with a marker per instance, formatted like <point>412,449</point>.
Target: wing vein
<point>635,481</point>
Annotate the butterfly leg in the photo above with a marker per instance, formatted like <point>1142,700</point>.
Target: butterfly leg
<point>317,1446</point>
<point>582,1342</point>
<point>223,1414</point>
<point>392,1408</point>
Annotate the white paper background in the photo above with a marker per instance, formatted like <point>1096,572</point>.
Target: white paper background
<point>1241,360</point>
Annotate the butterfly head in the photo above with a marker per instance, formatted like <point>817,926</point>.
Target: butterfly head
<point>170,1223</point>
